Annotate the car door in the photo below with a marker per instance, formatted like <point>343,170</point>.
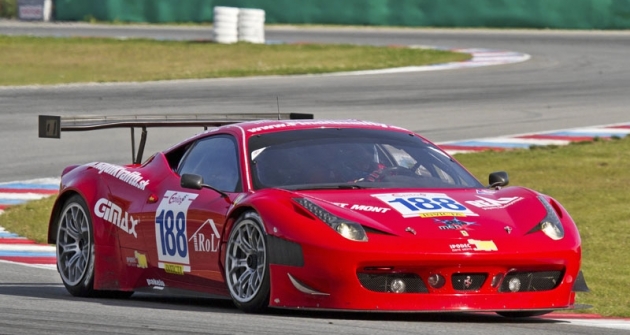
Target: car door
<point>189,223</point>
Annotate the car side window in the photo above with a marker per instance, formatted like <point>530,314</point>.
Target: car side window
<point>216,160</point>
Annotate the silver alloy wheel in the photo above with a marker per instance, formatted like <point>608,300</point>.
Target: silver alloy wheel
<point>73,244</point>
<point>246,260</point>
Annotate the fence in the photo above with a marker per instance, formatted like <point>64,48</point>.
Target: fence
<point>565,14</point>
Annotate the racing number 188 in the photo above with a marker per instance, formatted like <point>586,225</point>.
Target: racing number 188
<point>419,203</point>
<point>172,233</point>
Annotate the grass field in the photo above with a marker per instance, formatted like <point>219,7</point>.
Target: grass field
<point>35,60</point>
<point>591,180</point>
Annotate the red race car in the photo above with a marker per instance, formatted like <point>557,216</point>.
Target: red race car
<point>284,211</point>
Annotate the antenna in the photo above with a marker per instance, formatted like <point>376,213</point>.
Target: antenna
<point>278,104</point>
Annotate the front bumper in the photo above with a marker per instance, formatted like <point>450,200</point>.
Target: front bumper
<point>336,279</point>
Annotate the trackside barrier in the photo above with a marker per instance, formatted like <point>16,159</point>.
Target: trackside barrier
<point>556,14</point>
<point>238,24</point>
<point>251,25</point>
<point>225,24</point>
<point>48,8</point>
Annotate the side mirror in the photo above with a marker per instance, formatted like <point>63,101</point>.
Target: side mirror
<point>192,181</point>
<point>498,179</point>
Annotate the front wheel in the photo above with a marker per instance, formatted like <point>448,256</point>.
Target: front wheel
<point>247,264</point>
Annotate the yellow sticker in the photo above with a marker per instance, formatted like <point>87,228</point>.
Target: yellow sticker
<point>174,269</point>
<point>142,260</point>
<point>483,245</point>
<point>437,214</point>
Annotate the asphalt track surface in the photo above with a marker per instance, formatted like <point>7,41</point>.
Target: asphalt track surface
<point>574,79</point>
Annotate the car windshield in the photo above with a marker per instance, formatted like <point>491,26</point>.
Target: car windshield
<point>351,158</point>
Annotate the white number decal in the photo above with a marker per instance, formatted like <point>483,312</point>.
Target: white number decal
<point>170,227</point>
<point>424,204</point>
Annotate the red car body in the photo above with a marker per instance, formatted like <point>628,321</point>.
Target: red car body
<point>455,248</point>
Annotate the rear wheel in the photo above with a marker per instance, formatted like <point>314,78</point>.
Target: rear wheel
<point>523,314</point>
<point>75,251</point>
<point>247,264</point>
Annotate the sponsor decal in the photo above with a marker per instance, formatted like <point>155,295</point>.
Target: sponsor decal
<point>425,205</point>
<point>138,261</point>
<point>461,247</point>
<point>176,269</point>
<point>170,231</point>
<point>486,192</point>
<point>206,243</point>
<point>474,245</point>
<point>483,245</point>
<point>487,203</point>
<point>468,282</point>
<point>134,179</point>
<point>453,224</point>
<point>32,12</point>
<point>364,208</point>
<point>267,127</point>
<point>113,214</point>
<point>439,214</point>
<point>156,283</point>
<point>369,208</point>
<point>318,123</point>
<point>142,260</point>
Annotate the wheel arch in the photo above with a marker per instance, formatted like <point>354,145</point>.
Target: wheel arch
<point>53,222</point>
<point>90,187</point>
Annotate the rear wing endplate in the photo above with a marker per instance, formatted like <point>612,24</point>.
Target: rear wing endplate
<point>51,126</point>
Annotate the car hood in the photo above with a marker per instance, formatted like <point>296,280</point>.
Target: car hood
<point>456,213</point>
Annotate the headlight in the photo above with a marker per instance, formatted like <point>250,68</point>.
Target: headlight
<point>346,228</point>
<point>550,225</point>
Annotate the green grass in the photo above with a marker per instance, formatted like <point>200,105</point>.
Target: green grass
<point>590,179</point>
<point>37,60</point>
<point>29,219</point>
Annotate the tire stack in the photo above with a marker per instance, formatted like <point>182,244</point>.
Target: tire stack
<point>232,25</point>
<point>251,25</point>
<point>225,25</point>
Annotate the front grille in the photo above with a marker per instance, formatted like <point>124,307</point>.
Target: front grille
<point>533,281</point>
<point>382,282</point>
<point>468,281</point>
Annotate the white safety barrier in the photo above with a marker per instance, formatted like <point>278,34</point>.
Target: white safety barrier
<point>48,7</point>
<point>251,25</point>
<point>239,24</point>
<point>225,24</point>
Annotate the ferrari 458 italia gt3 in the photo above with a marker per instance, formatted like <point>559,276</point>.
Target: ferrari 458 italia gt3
<point>284,211</point>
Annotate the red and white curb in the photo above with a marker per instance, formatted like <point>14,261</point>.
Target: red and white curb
<point>524,141</point>
<point>18,249</point>
<point>480,57</point>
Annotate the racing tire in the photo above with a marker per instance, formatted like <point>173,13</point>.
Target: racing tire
<point>247,264</point>
<point>523,314</point>
<point>75,251</point>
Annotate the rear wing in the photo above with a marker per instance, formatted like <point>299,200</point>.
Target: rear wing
<point>51,126</point>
